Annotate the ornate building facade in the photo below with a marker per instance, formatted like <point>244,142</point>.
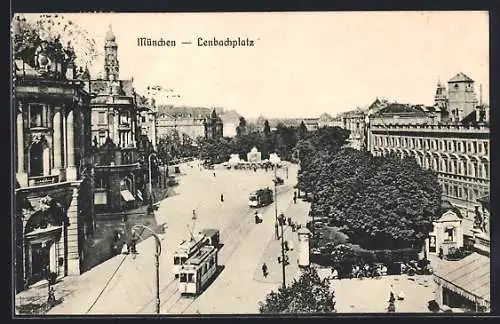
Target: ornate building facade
<point>53,205</point>
<point>451,138</point>
<point>114,135</point>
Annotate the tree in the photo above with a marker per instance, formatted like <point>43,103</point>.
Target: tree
<point>241,129</point>
<point>308,294</point>
<point>267,128</point>
<point>63,37</point>
<point>302,130</point>
<point>379,202</point>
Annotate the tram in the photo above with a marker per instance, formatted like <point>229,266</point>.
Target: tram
<point>198,270</point>
<point>213,236</point>
<point>186,250</point>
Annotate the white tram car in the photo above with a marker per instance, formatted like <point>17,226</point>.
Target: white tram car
<point>198,270</point>
<point>186,250</point>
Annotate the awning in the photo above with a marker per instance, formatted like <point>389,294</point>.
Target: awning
<point>469,277</point>
<point>127,195</point>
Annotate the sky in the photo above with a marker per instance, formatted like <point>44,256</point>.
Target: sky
<point>302,64</point>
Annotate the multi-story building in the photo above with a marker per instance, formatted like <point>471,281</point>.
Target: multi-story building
<point>354,121</point>
<point>53,207</point>
<point>451,138</point>
<point>118,176</point>
<point>184,120</point>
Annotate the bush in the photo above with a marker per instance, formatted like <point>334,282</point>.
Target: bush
<point>457,254</point>
<point>433,306</point>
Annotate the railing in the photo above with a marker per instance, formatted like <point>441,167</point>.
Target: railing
<point>43,180</point>
<point>483,241</point>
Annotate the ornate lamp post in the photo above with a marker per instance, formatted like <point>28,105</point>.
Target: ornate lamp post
<point>157,263</point>
<point>284,258</point>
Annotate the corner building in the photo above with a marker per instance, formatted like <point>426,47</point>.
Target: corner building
<point>53,206</point>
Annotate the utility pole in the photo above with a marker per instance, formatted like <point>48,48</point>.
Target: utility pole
<point>275,205</point>
<point>283,259</point>
<point>157,264</point>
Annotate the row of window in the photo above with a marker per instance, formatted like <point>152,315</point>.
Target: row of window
<point>124,118</point>
<point>472,169</point>
<point>189,277</point>
<point>460,192</point>
<point>463,146</point>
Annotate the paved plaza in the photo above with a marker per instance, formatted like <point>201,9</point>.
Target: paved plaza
<point>125,284</point>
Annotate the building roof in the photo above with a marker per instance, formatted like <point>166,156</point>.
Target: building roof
<point>398,109</point>
<point>469,277</point>
<point>446,206</point>
<point>110,37</point>
<point>460,77</point>
<point>449,216</point>
<point>470,119</point>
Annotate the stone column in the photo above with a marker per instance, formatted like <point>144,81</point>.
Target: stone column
<point>70,142</point>
<point>21,174</point>
<point>56,142</point>
<point>72,252</point>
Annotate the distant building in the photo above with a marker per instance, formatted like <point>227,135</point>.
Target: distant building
<point>53,205</point>
<point>184,120</point>
<point>254,155</point>
<point>354,121</point>
<point>213,126</point>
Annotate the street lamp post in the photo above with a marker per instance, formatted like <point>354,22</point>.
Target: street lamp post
<point>157,264</point>
<point>150,183</point>
<point>275,205</point>
<point>283,259</point>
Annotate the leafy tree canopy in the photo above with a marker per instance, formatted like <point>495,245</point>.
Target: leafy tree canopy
<point>308,294</point>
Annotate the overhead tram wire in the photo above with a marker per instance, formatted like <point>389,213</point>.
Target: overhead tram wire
<point>106,285</point>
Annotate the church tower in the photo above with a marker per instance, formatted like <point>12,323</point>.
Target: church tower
<point>111,66</point>
<point>461,97</point>
<point>440,99</point>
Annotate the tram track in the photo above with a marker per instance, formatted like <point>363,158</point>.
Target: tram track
<point>236,228</point>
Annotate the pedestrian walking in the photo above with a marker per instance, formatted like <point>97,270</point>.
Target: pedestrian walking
<point>214,174</point>
<point>133,242</point>
<point>289,221</point>
<point>295,199</point>
<point>264,270</point>
<point>222,198</point>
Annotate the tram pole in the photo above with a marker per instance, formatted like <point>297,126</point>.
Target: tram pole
<point>283,260</point>
<point>157,265</point>
<point>275,205</point>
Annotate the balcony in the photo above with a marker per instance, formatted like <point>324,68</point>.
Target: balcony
<point>42,180</point>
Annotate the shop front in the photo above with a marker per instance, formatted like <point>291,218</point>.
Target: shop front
<point>43,254</point>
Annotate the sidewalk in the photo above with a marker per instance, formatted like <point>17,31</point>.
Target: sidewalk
<point>32,301</point>
<point>299,213</point>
